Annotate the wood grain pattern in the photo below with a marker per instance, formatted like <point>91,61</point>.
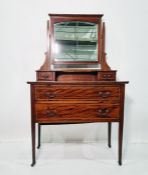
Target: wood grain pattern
<point>74,112</point>
<point>76,77</point>
<point>45,76</point>
<point>107,75</point>
<point>78,92</point>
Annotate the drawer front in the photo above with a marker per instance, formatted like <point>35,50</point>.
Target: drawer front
<point>107,76</point>
<point>45,76</point>
<point>54,112</point>
<point>103,93</point>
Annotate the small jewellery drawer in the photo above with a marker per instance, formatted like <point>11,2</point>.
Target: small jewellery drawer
<point>57,112</point>
<point>111,93</point>
<point>45,76</point>
<point>107,75</point>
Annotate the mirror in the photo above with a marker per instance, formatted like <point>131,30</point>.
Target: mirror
<point>75,41</point>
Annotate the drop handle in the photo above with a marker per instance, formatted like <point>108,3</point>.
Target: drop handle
<point>50,94</point>
<point>107,76</point>
<point>104,94</point>
<point>50,113</point>
<point>103,112</point>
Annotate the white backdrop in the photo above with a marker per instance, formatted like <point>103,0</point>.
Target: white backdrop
<point>22,47</point>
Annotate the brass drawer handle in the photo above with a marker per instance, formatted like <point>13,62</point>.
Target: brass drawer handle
<point>50,113</point>
<point>103,112</point>
<point>50,94</point>
<point>107,76</point>
<point>104,94</point>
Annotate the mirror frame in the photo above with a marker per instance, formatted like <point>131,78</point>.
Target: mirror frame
<point>57,18</point>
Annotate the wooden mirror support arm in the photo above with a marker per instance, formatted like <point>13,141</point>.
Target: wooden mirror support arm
<point>46,64</point>
<point>104,65</point>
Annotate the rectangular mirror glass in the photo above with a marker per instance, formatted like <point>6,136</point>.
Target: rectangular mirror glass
<point>75,41</point>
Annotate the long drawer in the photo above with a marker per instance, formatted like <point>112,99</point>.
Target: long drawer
<point>54,92</point>
<point>53,112</point>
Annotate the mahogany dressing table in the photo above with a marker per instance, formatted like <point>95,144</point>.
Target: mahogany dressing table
<point>75,84</point>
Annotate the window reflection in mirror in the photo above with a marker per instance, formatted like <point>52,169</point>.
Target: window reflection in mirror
<point>75,41</point>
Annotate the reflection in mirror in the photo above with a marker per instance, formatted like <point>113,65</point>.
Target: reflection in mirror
<point>75,41</point>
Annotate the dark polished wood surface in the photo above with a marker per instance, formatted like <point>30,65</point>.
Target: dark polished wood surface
<point>77,96</point>
<point>57,102</point>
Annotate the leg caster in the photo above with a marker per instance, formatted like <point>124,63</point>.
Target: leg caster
<point>33,163</point>
<point>120,162</point>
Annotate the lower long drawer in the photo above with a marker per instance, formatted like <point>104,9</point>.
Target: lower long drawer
<point>58,113</point>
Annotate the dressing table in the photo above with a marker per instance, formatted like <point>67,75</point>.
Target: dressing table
<point>75,84</point>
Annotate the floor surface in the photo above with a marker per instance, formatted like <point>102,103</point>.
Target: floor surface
<point>73,159</point>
